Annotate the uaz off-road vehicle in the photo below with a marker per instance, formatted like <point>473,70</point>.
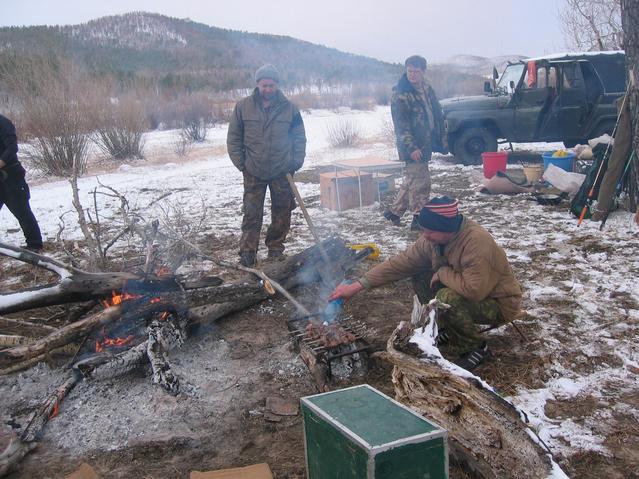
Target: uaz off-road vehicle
<point>564,97</point>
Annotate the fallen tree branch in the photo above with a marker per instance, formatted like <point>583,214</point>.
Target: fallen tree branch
<point>74,285</point>
<point>488,435</point>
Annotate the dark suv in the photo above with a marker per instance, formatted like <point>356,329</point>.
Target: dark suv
<point>563,97</point>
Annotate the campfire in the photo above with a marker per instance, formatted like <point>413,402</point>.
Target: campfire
<point>126,321</point>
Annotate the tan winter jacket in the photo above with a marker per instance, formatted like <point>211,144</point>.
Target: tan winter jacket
<point>471,264</point>
<point>266,144</point>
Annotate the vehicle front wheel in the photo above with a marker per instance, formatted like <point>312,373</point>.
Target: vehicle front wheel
<point>471,143</point>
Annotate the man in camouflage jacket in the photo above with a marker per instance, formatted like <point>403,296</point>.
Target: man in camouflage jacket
<point>419,130</point>
<point>265,141</point>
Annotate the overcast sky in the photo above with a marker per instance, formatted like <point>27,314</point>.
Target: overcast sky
<point>388,30</point>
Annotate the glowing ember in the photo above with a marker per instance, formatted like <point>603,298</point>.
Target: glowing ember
<point>164,272</point>
<point>56,409</point>
<point>110,342</point>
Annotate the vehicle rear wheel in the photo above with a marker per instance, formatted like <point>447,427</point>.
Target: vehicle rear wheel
<point>471,143</point>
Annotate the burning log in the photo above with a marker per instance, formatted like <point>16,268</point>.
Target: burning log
<point>19,448</point>
<point>60,337</point>
<point>488,435</point>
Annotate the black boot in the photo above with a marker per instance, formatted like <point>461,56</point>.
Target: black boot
<point>392,217</point>
<point>471,360</point>
<point>247,258</point>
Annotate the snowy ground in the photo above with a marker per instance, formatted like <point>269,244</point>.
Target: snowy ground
<point>576,375</point>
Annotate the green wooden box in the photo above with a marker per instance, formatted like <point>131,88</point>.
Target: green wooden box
<point>360,433</point>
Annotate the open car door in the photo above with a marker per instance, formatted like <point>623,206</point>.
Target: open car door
<point>533,100</point>
<point>573,100</point>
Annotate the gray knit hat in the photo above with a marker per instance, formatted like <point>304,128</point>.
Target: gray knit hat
<point>267,71</point>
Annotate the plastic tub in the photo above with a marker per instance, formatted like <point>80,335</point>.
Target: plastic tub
<point>563,162</point>
<point>533,173</point>
<point>493,162</point>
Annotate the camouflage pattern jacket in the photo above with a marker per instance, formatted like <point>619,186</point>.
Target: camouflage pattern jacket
<point>413,130</point>
<point>266,144</point>
<point>471,264</point>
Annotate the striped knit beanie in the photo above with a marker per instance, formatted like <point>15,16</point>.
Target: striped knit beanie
<point>441,214</point>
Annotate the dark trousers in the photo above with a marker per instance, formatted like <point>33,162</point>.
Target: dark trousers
<point>282,203</point>
<point>14,193</point>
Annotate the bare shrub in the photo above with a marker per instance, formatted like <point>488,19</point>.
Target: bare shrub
<point>343,133</point>
<point>388,132</point>
<point>120,134</point>
<point>182,146</point>
<point>198,116</point>
<point>57,104</point>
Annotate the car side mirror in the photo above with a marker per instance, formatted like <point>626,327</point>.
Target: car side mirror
<point>512,85</point>
<point>487,87</point>
<point>495,74</point>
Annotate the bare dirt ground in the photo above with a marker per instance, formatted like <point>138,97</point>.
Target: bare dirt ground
<point>127,427</point>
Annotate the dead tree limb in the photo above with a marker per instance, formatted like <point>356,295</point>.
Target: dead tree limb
<point>18,448</point>
<point>488,434</point>
<point>74,284</point>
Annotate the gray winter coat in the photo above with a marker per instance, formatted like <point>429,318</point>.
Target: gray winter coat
<point>266,144</point>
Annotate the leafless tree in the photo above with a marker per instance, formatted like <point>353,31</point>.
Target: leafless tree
<point>592,24</point>
<point>630,22</point>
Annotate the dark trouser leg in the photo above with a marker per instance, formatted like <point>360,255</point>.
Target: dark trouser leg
<point>282,203</point>
<point>16,196</point>
<point>253,208</point>
<point>460,322</point>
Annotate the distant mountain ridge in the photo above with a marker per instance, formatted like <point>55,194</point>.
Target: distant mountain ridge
<point>175,51</point>
<point>478,64</point>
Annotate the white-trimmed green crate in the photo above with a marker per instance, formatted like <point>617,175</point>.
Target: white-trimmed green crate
<point>360,433</point>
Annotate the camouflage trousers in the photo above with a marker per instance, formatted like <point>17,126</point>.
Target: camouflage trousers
<point>461,320</point>
<point>415,190</point>
<point>282,203</point>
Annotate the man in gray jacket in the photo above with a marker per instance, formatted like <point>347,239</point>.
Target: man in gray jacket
<point>265,141</point>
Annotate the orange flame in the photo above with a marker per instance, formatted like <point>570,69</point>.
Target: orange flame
<point>117,298</point>
<point>110,342</point>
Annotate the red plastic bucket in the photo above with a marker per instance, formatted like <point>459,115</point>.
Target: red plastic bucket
<point>494,161</point>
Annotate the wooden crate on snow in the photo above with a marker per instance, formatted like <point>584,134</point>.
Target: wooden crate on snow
<point>349,189</point>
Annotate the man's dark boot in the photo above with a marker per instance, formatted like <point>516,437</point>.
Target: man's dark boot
<point>471,360</point>
<point>275,255</point>
<point>414,226</point>
<point>392,217</point>
<point>247,258</point>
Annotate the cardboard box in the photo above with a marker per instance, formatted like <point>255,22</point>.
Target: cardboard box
<point>349,189</point>
<point>358,433</point>
<point>258,471</point>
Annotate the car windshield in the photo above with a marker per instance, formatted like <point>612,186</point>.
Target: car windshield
<point>511,73</point>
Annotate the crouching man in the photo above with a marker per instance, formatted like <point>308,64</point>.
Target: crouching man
<point>458,262</point>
